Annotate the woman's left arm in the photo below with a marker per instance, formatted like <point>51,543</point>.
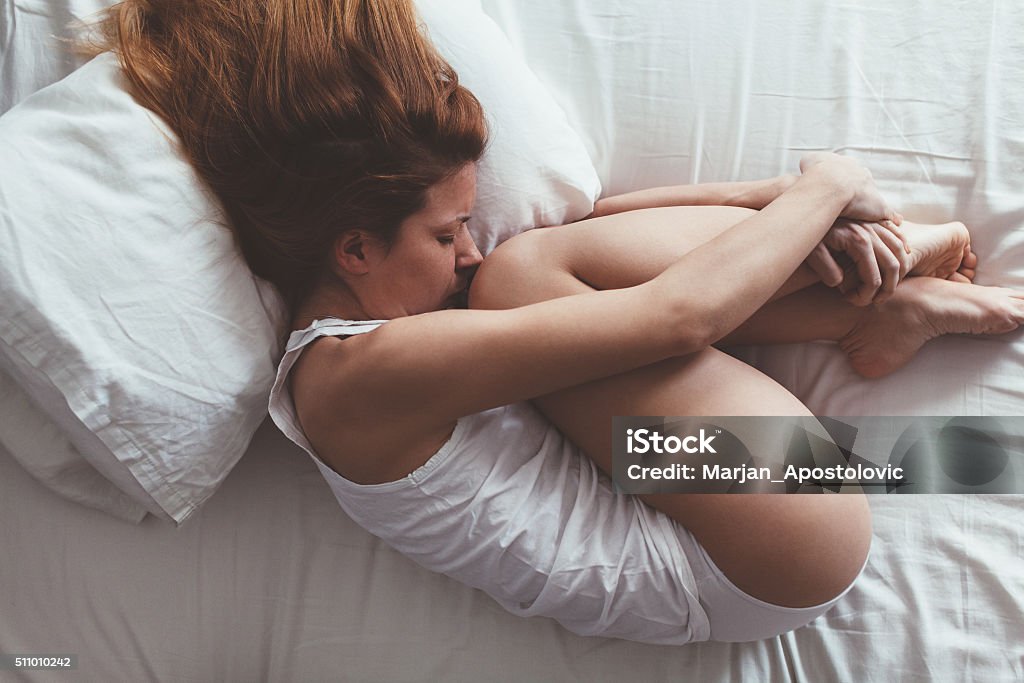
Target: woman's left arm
<point>752,194</point>
<point>878,251</point>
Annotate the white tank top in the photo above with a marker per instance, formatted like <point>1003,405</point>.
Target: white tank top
<point>508,505</point>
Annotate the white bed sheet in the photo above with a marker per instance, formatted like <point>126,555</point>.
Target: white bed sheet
<point>271,581</point>
<point>929,95</point>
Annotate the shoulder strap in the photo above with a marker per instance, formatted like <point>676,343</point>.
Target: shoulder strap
<point>330,327</point>
<point>281,406</point>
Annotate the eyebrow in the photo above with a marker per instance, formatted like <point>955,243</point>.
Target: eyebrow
<point>457,219</point>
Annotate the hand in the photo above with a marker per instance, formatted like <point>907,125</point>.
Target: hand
<point>878,254</point>
<point>867,203</point>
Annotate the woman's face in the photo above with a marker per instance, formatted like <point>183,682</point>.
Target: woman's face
<point>429,265</point>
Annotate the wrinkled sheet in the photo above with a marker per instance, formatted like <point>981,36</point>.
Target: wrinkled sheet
<point>272,582</point>
<point>928,95</point>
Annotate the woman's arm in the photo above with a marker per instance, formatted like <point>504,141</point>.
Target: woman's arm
<point>754,194</point>
<point>877,251</point>
<point>422,371</point>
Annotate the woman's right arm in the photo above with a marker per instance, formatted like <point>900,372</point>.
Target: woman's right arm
<point>427,370</point>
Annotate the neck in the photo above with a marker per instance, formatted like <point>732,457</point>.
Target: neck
<point>328,301</point>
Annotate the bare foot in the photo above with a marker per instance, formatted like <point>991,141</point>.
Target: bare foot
<point>889,335</point>
<point>940,251</point>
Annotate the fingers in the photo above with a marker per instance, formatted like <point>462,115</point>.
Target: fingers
<point>862,278</point>
<point>966,272</point>
<point>824,265</point>
<point>890,267</point>
<point>856,242</point>
<point>893,226</point>
<point>895,247</point>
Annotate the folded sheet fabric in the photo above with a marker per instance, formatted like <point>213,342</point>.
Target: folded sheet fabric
<point>128,314</point>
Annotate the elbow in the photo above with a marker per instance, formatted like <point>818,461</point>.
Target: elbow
<point>694,327</point>
<point>700,337</point>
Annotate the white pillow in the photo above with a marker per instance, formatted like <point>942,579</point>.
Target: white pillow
<point>128,314</point>
<point>39,445</point>
<point>126,302</point>
<point>536,170</point>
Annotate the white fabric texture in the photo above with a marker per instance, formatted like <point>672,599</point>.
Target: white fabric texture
<point>536,170</point>
<point>929,98</point>
<point>108,343</point>
<point>35,42</point>
<point>508,506</point>
<point>272,581</point>
<point>46,453</point>
<point>125,298</point>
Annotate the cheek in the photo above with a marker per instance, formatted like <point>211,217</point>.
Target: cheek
<point>433,273</point>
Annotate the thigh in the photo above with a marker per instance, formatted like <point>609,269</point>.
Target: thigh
<point>706,383</point>
<point>626,249</point>
<point>611,252</point>
<point>790,550</point>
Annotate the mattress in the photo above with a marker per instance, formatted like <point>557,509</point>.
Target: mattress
<point>271,581</point>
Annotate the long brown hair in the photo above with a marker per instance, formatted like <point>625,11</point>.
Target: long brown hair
<point>306,118</point>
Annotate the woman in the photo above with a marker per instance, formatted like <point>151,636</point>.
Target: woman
<point>344,149</point>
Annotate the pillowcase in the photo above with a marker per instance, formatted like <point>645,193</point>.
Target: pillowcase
<point>129,316</point>
<point>128,313</point>
<point>38,444</point>
<point>536,170</point>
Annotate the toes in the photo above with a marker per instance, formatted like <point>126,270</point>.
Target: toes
<point>970,259</point>
<point>960,277</point>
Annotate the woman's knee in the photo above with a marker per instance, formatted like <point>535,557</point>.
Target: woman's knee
<point>521,271</point>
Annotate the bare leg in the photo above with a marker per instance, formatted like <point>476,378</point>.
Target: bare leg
<point>794,551</point>
<point>881,339</point>
<point>623,250</point>
<point>816,312</point>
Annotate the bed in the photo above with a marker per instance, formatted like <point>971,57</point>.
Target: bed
<point>270,580</point>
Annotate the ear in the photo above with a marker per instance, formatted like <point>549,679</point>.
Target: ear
<point>355,252</point>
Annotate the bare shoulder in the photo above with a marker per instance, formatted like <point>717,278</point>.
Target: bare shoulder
<point>349,427</point>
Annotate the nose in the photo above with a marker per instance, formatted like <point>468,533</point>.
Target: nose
<point>467,256</point>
